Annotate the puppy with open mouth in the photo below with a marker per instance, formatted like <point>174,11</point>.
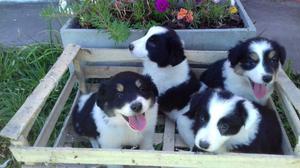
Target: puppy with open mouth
<point>122,112</point>
<point>249,71</point>
<point>162,53</point>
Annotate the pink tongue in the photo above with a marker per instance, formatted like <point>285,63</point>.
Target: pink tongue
<point>260,90</point>
<point>137,122</point>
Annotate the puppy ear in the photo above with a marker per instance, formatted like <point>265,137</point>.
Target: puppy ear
<point>101,94</point>
<point>175,48</point>
<point>242,113</point>
<point>282,54</point>
<point>152,85</point>
<point>235,55</point>
<point>195,99</point>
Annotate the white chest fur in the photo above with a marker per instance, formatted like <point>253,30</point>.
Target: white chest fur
<point>167,77</point>
<point>240,85</point>
<point>114,131</point>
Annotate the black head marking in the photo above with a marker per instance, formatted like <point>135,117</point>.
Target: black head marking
<point>232,123</point>
<point>122,88</point>
<point>165,49</point>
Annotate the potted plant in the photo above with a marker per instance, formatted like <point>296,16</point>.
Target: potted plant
<point>202,24</point>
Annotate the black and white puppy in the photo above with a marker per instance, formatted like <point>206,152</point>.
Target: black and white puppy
<point>249,71</point>
<point>164,61</point>
<point>122,112</point>
<point>219,121</point>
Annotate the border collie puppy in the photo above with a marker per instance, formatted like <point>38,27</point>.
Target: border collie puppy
<point>122,112</point>
<point>219,121</point>
<point>249,71</point>
<point>164,61</point>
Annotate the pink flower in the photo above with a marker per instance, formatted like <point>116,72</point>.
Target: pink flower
<point>216,1</point>
<point>162,5</point>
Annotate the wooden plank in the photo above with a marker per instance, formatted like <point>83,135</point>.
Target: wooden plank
<point>24,118</point>
<point>150,158</point>
<point>289,89</point>
<point>108,71</point>
<point>289,111</point>
<point>292,117</point>
<point>47,129</point>
<point>169,135</point>
<point>63,132</point>
<point>286,145</point>
<point>123,55</point>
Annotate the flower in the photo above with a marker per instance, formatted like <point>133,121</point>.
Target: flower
<point>162,5</point>
<point>189,17</point>
<point>233,10</point>
<point>216,1</point>
<point>186,15</point>
<point>182,13</point>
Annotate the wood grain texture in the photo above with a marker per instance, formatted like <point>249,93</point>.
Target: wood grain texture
<point>151,158</point>
<point>47,129</point>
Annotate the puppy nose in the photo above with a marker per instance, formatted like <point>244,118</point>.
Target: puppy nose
<point>267,78</point>
<point>136,107</point>
<point>131,47</point>
<point>204,144</point>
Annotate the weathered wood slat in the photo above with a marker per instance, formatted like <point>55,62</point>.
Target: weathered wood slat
<point>23,120</point>
<point>63,132</point>
<point>292,117</point>
<point>46,131</point>
<point>289,89</point>
<point>108,71</point>
<point>123,55</point>
<point>169,135</point>
<point>151,158</point>
<point>286,145</point>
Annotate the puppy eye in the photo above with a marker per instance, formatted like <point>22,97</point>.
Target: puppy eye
<point>274,59</point>
<point>142,88</point>
<point>119,95</point>
<point>151,44</point>
<point>202,119</point>
<point>223,127</point>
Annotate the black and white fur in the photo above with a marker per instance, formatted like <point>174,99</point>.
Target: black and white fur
<point>255,61</point>
<point>103,116</point>
<point>164,61</point>
<point>219,121</point>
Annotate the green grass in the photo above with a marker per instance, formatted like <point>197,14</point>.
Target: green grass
<point>21,69</point>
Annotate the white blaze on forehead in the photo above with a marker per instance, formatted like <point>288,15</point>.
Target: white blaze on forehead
<point>259,47</point>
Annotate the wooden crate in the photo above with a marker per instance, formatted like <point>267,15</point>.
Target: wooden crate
<point>102,63</point>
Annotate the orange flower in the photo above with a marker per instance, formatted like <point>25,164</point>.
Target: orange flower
<point>189,17</point>
<point>186,15</point>
<point>182,13</point>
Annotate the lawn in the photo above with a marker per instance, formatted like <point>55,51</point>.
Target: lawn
<point>21,69</point>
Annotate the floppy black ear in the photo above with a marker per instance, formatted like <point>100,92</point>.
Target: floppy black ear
<point>152,85</point>
<point>235,54</point>
<point>282,54</point>
<point>196,98</point>
<point>175,48</point>
<point>101,94</point>
<point>241,111</point>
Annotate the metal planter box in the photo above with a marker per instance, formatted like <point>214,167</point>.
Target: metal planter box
<point>195,39</point>
<point>92,63</point>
